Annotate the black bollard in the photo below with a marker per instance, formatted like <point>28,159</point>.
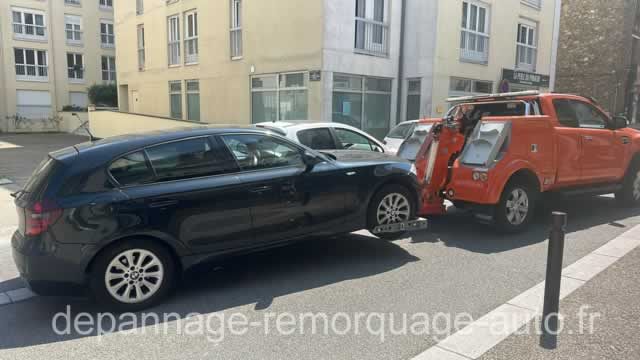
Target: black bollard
<point>554,273</point>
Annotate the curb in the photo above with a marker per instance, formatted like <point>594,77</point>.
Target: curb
<point>16,296</point>
<point>477,338</point>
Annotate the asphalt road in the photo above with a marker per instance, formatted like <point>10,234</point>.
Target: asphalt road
<point>456,267</point>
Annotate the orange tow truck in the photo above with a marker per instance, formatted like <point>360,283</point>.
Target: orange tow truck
<point>497,154</point>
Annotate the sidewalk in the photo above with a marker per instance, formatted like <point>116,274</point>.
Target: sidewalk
<point>615,295</point>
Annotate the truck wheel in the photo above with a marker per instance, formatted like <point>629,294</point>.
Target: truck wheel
<point>133,275</point>
<point>630,193</point>
<point>391,204</point>
<point>516,208</point>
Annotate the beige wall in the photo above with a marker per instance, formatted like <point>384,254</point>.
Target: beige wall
<point>504,18</point>
<point>58,83</point>
<point>105,124</point>
<point>278,36</point>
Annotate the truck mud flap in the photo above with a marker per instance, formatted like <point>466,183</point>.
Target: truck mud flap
<point>414,225</point>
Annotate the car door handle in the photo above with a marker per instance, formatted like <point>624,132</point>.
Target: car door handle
<point>163,204</point>
<point>351,173</point>
<point>260,190</point>
<point>588,138</point>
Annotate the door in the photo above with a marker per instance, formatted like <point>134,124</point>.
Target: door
<point>601,153</point>
<point>194,195</point>
<point>569,144</point>
<point>135,106</point>
<point>287,200</point>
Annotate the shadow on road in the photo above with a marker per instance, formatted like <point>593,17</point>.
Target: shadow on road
<point>460,230</point>
<point>253,279</point>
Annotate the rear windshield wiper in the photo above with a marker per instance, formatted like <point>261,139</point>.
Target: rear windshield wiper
<point>17,193</point>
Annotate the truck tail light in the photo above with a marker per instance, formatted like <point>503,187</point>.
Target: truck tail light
<point>39,218</point>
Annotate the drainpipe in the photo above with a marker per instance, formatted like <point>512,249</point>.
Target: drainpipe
<point>401,64</point>
<point>51,62</point>
<point>554,45</point>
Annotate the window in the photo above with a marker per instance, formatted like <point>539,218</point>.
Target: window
<point>401,131</point>
<point>353,141</point>
<point>191,37</point>
<point>132,169</point>
<point>236,29</point>
<point>106,3</point>
<point>174,40</point>
<point>34,104</point>
<point>279,97</point>
<point>527,48</point>
<point>565,113</point>
<point>108,68</point>
<point>588,116</point>
<point>73,29</point>
<point>188,159</point>
<point>79,99</point>
<point>533,3</point>
<point>362,102</point>
<point>175,99</point>
<point>414,90</point>
<point>463,87</point>
<point>193,100</point>
<point>139,7</point>
<point>474,40</point>
<point>31,64</point>
<point>107,38</point>
<point>317,139</point>
<point>141,55</point>
<point>28,24</point>
<point>255,152</point>
<point>372,30</point>
<point>75,67</point>
<point>72,2</point>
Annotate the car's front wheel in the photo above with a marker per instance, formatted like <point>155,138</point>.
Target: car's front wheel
<point>392,204</point>
<point>133,275</point>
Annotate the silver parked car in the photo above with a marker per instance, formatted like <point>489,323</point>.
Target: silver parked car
<point>326,136</point>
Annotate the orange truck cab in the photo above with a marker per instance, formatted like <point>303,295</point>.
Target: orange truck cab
<point>497,154</point>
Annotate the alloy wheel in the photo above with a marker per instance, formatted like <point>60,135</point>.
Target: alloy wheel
<point>636,187</point>
<point>393,208</point>
<point>134,276</point>
<point>517,207</point>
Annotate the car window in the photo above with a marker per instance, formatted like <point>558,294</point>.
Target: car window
<point>255,152</point>
<point>566,113</point>
<point>353,141</point>
<point>317,139</point>
<point>131,169</point>
<point>401,131</point>
<point>189,159</point>
<point>588,116</point>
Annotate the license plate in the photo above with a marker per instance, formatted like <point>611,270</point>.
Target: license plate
<point>414,225</point>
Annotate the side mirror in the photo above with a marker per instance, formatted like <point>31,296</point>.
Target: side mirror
<point>620,122</point>
<point>310,159</point>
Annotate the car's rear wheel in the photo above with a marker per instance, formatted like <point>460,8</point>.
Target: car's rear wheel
<point>133,275</point>
<point>516,208</point>
<point>391,204</point>
<point>630,193</point>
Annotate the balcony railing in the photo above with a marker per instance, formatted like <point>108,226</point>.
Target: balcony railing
<point>372,37</point>
<point>191,51</point>
<point>29,30</point>
<point>236,42</point>
<point>474,47</point>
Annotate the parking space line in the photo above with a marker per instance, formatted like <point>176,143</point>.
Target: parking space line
<point>4,299</point>
<point>475,340</point>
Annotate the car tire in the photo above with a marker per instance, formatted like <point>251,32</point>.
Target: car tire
<point>516,208</point>
<point>629,195</point>
<point>117,277</point>
<point>391,204</point>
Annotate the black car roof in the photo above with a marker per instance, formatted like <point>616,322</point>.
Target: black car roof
<point>130,142</point>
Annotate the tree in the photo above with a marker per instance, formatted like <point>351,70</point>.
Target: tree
<point>104,95</point>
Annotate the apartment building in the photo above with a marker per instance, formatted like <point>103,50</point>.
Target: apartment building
<point>250,61</point>
<point>471,47</point>
<point>51,51</point>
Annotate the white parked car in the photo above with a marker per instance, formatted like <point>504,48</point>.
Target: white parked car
<point>326,136</point>
<point>398,135</point>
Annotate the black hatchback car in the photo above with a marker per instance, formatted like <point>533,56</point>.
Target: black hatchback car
<point>125,216</point>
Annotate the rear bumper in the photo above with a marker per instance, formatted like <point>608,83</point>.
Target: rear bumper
<point>55,269</point>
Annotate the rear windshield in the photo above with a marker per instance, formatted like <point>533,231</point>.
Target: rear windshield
<point>478,111</point>
<point>40,177</point>
<point>401,131</point>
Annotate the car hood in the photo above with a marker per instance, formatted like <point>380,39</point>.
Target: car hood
<point>354,156</point>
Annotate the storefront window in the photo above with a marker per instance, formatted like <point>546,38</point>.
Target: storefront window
<point>279,97</point>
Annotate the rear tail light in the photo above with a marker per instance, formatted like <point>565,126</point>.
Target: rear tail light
<point>40,218</point>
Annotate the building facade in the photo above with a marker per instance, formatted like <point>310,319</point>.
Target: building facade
<point>51,51</point>
<point>244,61</point>
<point>598,53</point>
